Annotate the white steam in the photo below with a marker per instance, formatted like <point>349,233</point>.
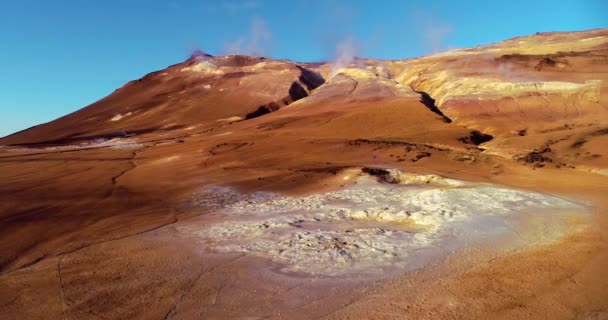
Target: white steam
<point>433,31</point>
<point>345,54</point>
<point>435,36</point>
<point>255,43</point>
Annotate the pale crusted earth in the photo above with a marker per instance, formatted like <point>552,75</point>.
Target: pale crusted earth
<point>98,143</point>
<point>367,228</point>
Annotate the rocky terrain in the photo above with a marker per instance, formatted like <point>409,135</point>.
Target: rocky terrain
<point>469,184</point>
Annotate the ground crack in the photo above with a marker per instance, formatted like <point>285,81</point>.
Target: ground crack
<point>175,220</point>
<point>429,103</point>
<point>61,291</point>
<point>132,165</point>
<point>191,286</point>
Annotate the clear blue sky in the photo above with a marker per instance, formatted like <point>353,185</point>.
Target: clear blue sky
<point>58,56</point>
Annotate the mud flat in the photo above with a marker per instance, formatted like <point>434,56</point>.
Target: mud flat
<point>374,229</point>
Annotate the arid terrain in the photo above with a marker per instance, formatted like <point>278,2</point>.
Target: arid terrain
<point>468,184</point>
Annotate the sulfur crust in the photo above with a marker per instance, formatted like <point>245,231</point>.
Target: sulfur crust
<point>204,67</point>
<point>361,228</point>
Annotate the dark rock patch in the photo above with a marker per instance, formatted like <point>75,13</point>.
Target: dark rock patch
<point>297,92</point>
<point>600,132</point>
<point>549,62</point>
<point>565,126</point>
<point>310,79</point>
<point>429,102</point>
<point>579,143</point>
<point>421,155</point>
<point>329,170</point>
<point>476,137</point>
<point>537,157</point>
<point>391,143</point>
<point>264,109</point>
<point>375,171</point>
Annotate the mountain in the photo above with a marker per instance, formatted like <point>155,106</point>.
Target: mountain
<point>530,93</point>
<point>94,203</point>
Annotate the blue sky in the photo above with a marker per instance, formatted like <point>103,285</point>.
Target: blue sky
<point>58,56</point>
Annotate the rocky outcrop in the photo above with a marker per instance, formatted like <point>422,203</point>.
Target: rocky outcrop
<point>299,89</point>
<point>528,79</point>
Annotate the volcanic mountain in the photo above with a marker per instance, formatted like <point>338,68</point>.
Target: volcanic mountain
<point>99,206</point>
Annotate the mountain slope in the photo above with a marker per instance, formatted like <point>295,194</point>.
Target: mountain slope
<point>521,91</point>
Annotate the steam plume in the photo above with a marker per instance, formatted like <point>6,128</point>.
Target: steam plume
<point>345,54</point>
<point>256,42</point>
